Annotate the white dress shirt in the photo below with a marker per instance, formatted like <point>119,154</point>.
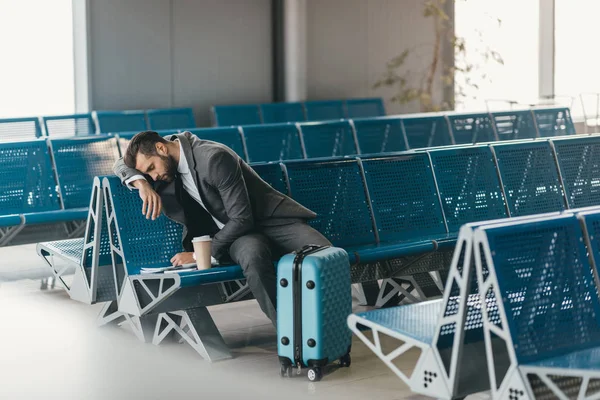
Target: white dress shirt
<point>189,185</point>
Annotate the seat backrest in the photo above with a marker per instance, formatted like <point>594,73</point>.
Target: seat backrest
<point>171,118</point>
<point>105,289</point>
<point>273,113</point>
<point>379,135</point>
<point>530,178</point>
<point>273,174</point>
<point>579,163</point>
<point>429,131</point>
<point>335,191</point>
<point>272,142</point>
<point>324,110</point>
<point>403,197</point>
<point>121,121</point>
<point>143,242</point>
<point>20,129</point>
<point>513,125</point>
<point>27,181</point>
<point>328,139</point>
<point>242,114</point>
<point>78,161</point>
<point>468,185</point>
<point>363,108</point>
<point>230,137</point>
<point>471,128</point>
<point>591,220</point>
<point>547,285</point>
<point>554,121</point>
<point>69,125</point>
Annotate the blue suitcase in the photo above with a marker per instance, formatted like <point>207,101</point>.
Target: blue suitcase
<point>314,299</point>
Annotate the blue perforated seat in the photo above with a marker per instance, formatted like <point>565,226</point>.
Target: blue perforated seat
<point>328,139</point>
<point>579,167</point>
<point>243,114</point>
<point>379,135</point>
<point>78,161</point>
<point>20,129</point>
<point>335,191</point>
<point>170,118</point>
<point>27,182</point>
<point>69,125</point>
<point>418,321</point>
<point>273,174</point>
<point>282,112</point>
<point>404,198</point>
<point>151,244</point>
<point>272,142</point>
<point>530,178</point>
<point>230,137</point>
<point>471,128</point>
<point>322,110</point>
<point>468,185</point>
<point>426,131</point>
<point>543,268</point>
<point>513,125</point>
<point>145,242</point>
<point>363,108</point>
<point>554,121</point>
<point>121,121</point>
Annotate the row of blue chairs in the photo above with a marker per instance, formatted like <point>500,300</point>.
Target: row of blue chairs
<point>395,215</point>
<point>96,122</point>
<point>272,113</point>
<point>67,165</point>
<point>520,315</point>
<point>287,141</point>
<point>47,181</point>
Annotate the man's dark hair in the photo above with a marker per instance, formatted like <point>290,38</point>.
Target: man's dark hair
<point>143,142</point>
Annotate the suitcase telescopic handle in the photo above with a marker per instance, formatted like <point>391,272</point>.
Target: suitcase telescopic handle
<point>309,248</point>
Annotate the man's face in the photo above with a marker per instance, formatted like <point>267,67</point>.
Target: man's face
<point>159,167</point>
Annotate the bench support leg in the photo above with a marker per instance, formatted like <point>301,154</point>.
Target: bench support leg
<point>197,328</point>
<point>366,293</point>
<point>143,327</point>
<point>392,292</point>
<point>8,234</point>
<point>234,290</point>
<point>76,229</point>
<point>109,313</point>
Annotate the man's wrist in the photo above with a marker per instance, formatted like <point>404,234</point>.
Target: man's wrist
<point>139,183</point>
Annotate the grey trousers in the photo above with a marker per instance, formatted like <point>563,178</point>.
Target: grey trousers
<point>257,251</point>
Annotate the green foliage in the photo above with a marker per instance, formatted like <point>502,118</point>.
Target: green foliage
<point>410,86</point>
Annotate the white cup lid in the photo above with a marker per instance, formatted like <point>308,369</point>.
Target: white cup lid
<point>205,238</point>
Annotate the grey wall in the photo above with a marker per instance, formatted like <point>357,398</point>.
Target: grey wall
<point>179,53</point>
<point>350,41</point>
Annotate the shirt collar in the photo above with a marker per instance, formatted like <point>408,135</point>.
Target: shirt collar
<point>182,167</point>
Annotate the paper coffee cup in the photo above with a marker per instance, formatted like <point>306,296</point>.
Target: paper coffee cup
<point>202,247</point>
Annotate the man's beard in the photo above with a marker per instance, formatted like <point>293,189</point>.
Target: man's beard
<point>170,167</point>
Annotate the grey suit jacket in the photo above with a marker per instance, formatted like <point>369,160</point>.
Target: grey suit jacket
<point>230,190</point>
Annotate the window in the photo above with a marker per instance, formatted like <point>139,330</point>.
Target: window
<point>515,39</point>
<point>36,72</point>
<point>576,57</point>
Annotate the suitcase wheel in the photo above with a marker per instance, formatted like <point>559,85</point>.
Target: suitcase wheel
<point>345,361</point>
<point>315,374</point>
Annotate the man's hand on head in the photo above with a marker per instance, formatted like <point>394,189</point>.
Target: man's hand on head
<point>183,258</point>
<point>152,204</point>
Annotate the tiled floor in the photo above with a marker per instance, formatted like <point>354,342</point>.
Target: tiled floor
<point>50,348</point>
